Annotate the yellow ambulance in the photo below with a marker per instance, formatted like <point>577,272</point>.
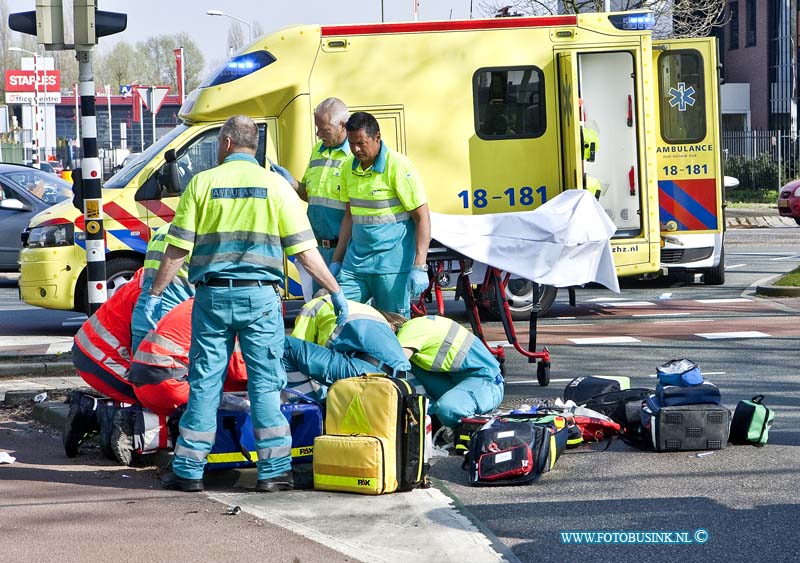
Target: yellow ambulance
<point>498,115</point>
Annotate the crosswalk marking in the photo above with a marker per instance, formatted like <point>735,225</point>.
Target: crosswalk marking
<point>723,300</point>
<point>741,334</point>
<point>605,340</point>
<point>628,304</point>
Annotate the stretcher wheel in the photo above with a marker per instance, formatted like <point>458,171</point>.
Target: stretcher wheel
<point>543,373</point>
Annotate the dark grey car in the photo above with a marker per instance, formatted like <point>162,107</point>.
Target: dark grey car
<point>24,192</point>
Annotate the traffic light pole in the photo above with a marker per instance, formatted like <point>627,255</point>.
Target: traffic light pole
<point>91,176</point>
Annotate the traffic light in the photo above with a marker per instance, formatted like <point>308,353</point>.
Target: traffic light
<point>91,23</point>
<point>46,23</point>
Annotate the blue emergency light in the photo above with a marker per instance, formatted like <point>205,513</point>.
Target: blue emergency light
<point>633,21</point>
<point>239,66</point>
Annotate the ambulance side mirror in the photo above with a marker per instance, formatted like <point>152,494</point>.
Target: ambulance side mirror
<point>168,176</point>
<point>77,189</point>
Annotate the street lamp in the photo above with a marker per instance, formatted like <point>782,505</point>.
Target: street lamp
<point>36,98</point>
<point>219,13</point>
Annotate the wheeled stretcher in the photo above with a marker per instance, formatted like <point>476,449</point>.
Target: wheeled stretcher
<point>489,295</point>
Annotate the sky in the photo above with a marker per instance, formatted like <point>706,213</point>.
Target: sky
<point>147,18</point>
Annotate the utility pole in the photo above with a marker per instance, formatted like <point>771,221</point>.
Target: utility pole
<point>47,24</point>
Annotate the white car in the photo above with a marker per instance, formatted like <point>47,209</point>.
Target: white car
<point>698,253</point>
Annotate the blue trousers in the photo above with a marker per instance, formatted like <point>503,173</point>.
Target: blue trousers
<point>477,388</point>
<point>390,292</point>
<point>219,315</point>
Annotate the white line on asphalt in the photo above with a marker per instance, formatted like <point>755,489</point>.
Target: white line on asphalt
<point>732,266</point>
<point>724,300</point>
<point>665,296</point>
<point>705,373</point>
<point>684,321</point>
<point>563,318</point>
<point>792,257</point>
<point>628,304</point>
<point>741,334</point>
<point>59,348</point>
<point>535,381</point>
<point>595,299</point>
<point>605,340</point>
<point>661,315</point>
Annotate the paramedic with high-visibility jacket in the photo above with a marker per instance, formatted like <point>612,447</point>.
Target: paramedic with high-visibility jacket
<point>461,377</point>
<point>327,352</point>
<point>178,290</point>
<point>386,227</point>
<point>320,185</point>
<point>237,219</point>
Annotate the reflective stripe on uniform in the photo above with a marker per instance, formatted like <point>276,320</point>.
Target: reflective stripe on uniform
<point>183,234</point>
<point>327,202</point>
<point>259,259</point>
<point>272,432</point>
<point>182,451</point>
<point>380,219</point>
<point>441,355</point>
<point>374,203</point>
<point>279,451</point>
<point>325,162</point>
<point>196,435</point>
<point>237,236</point>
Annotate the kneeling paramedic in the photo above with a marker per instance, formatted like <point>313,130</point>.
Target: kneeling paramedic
<point>237,220</point>
<point>461,377</point>
<point>327,352</point>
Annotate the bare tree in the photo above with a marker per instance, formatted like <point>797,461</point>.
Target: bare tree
<point>674,18</point>
<point>236,37</point>
<point>258,30</point>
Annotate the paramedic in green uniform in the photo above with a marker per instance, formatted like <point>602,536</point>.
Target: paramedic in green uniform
<point>320,185</point>
<point>386,228</point>
<point>461,377</point>
<point>238,219</point>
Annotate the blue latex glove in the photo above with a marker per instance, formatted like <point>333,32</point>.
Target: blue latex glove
<point>417,282</point>
<point>283,172</point>
<point>339,307</point>
<point>335,268</point>
<point>152,310</point>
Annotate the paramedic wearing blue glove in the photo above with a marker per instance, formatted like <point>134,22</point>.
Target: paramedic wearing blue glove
<point>149,310</point>
<point>320,185</point>
<point>238,219</point>
<point>386,227</point>
<point>461,377</point>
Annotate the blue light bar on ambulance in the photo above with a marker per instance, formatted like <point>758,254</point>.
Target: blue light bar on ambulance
<point>239,66</point>
<point>633,21</point>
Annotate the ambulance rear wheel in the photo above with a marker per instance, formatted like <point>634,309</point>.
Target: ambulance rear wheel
<point>119,271</point>
<point>543,373</point>
<point>519,295</point>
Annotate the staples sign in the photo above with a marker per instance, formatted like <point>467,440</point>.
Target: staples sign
<point>25,80</point>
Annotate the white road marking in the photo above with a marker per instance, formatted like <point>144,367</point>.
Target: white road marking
<point>60,348</point>
<point>604,299</point>
<point>563,318</point>
<point>792,257</point>
<point>628,304</point>
<point>684,321</point>
<point>741,334</point>
<point>724,300</point>
<point>605,340</point>
<point>665,296</point>
<point>733,266</point>
<point>661,315</point>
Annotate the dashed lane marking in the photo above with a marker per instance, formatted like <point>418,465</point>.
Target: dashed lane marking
<point>742,334</point>
<point>628,304</point>
<point>605,340</point>
<point>724,300</point>
<point>734,266</point>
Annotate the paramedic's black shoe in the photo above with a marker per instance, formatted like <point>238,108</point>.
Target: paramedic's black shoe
<point>282,482</point>
<point>81,423</point>
<point>175,483</point>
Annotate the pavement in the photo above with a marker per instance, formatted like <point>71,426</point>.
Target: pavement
<point>425,524</point>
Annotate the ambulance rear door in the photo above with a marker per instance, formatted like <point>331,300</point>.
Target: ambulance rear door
<point>688,146</point>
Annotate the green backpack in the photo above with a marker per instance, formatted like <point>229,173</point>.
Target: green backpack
<point>751,422</point>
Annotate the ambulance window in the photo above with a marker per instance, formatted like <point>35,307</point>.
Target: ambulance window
<point>509,103</point>
<point>682,96</point>
<point>201,154</point>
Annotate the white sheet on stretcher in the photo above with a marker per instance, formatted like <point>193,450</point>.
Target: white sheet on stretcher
<point>561,243</point>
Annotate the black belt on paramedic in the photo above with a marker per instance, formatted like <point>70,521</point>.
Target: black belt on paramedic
<point>385,368</point>
<point>221,282</point>
<point>328,243</point>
